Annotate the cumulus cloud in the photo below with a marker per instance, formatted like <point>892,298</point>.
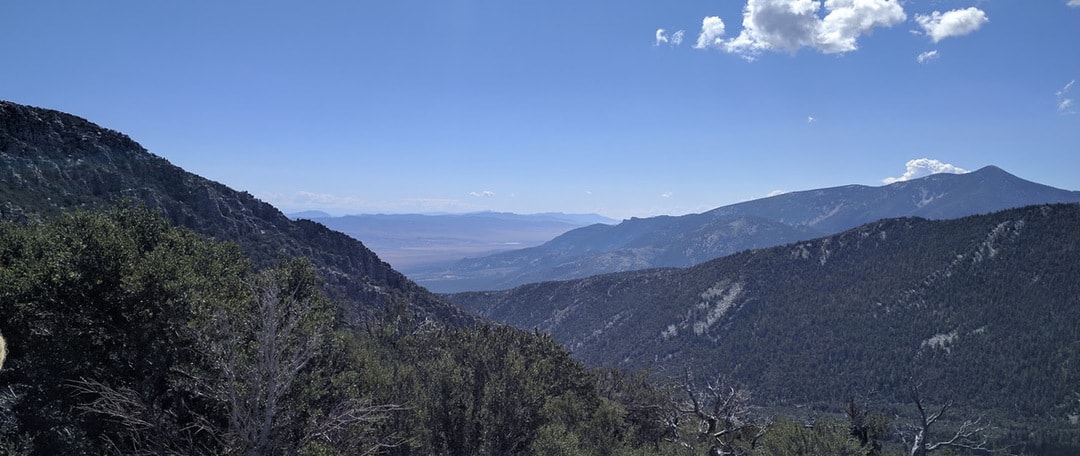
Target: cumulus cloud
<point>1066,105</point>
<point>849,19</point>
<point>485,193</point>
<point>712,33</point>
<point>782,25</point>
<point>927,56</point>
<point>939,26</point>
<point>788,25</point>
<point>922,167</point>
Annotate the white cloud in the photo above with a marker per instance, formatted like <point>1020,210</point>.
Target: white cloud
<point>849,19</point>
<point>939,26</point>
<point>922,167</point>
<point>927,56</point>
<point>322,199</point>
<point>666,195</point>
<point>781,25</point>
<point>775,193</point>
<point>810,119</point>
<point>677,37</point>
<point>1074,3</point>
<point>1066,105</point>
<point>485,193</point>
<point>349,204</point>
<point>788,25</point>
<point>661,37</point>
<point>712,33</point>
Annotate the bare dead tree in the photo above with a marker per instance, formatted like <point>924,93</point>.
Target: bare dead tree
<point>3,351</point>
<point>345,419</point>
<point>147,429</point>
<point>255,352</point>
<point>918,435</point>
<point>722,410</point>
<point>259,355</point>
<point>865,426</point>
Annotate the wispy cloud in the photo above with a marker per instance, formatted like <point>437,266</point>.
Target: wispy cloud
<point>922,167</point>
<point>811,119</point>
<point>789,25</point>
<point>667,195</point>
<point>483,194</point>
<point>1065,104</point>
<point>927,56</point>
<point>675,39</point>
<point>775,193</point>
<point>350,204</point>
<point>323,199</point>
<point>938,25</point>
<point>661,37</point>
<point>1075,3</point>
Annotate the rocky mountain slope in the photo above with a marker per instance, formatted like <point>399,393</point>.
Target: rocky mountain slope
<point>691,239</point>
<point>984,308</point>
<point>51,162</point>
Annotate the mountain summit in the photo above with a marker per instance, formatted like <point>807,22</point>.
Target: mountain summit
<point>665,241</point>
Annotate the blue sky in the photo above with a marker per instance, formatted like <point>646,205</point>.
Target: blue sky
<point>561,105</point>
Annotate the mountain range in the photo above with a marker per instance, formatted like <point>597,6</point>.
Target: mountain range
<point>52,162</point>
<point>667,241</point>
<point>983,308</point>
<point>418,242</point>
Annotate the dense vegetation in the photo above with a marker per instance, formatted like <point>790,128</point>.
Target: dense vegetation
<point>984,308</point>
<point>130,336</point>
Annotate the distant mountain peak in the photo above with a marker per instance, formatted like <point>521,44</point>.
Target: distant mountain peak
<point>667,241</point>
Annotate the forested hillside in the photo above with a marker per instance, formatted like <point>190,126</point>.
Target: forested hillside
<point>986,308</point>
<point>130,336</point>
<point>51,162</point>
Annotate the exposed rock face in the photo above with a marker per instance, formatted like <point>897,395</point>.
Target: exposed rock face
<point>52,161</point>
